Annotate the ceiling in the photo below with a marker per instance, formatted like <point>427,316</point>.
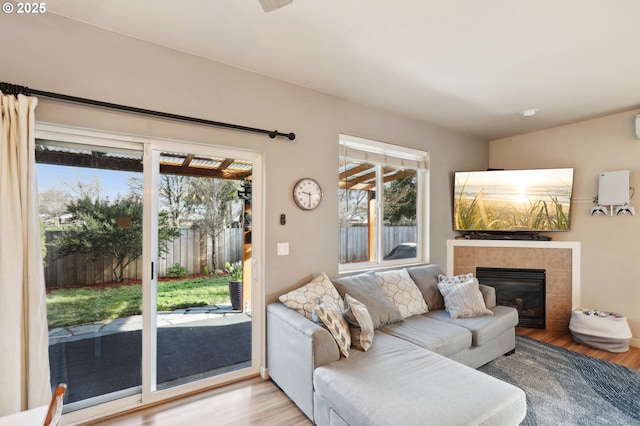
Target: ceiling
<point>468,65</point>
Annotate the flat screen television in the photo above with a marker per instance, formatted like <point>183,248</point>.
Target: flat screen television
<point>495,201</point>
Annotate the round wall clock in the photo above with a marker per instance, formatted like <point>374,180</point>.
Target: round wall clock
<point>307,194</point>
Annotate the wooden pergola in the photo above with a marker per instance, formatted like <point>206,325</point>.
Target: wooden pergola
<point>172,163</point>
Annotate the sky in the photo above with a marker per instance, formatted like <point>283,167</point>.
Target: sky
<point>112,182</point>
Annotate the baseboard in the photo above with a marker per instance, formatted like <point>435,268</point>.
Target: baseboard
<point>634,342</point>
<point>264,373</point>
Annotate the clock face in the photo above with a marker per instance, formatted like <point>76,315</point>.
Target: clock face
<point>307,194</point>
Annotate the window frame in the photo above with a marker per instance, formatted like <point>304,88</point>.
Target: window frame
<point>381,154</point>
<point>150,147</point>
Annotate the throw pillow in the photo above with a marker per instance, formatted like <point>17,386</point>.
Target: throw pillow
<point>455,278</point>
<point>332,317</point>
<point>360,323</point>
<point>364,287</point>
<point>318,290</point>
<point>426,278</point>
<point>403,292</point>
<point>463,300</point>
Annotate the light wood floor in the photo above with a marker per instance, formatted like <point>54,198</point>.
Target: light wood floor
<point>250,402</point>
<point>256,402</point>
<point>630,359</point>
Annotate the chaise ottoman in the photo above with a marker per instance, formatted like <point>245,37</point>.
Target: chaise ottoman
<point>398,383</point>
<point>600,330</point>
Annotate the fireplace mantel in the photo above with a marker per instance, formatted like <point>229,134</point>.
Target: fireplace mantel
<point>561,259</point>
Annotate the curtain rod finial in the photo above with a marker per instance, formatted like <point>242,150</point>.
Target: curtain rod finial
<point>290,136</point>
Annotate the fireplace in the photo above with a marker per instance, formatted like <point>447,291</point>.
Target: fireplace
<point>560,260</point>
<point>523,289</point>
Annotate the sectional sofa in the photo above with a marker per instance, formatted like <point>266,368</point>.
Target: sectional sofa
<point>419,364</point>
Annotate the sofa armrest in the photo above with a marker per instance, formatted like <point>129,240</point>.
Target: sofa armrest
<point>295,347</point>
<point>489,295</point>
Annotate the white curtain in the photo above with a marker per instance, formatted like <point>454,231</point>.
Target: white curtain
<point>24,344</point>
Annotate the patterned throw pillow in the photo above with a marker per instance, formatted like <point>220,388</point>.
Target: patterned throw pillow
<point>463,299</point>
<point>318,290</point>
<point>455,278</point>
<point>403,292</point>
<point>360,323</point>
<point>332,318</point>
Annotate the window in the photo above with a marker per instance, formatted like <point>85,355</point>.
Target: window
<point>382,210</point>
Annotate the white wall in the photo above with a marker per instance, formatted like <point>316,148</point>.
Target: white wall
<point>55,54</point>
<point>610,261</point>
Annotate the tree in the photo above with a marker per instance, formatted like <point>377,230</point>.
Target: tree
<point>400,201</point>
<point>82,188</point>
<point>172,192</point>
<point>353,206</point>
<point>210,199</point>
<point>43,240</point>
<point>54,202</point>
<point>111,229</point>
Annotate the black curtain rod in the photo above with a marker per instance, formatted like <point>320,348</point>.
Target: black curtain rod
<point>12,89</point>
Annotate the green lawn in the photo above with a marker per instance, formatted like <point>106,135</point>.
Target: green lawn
<point>72,306</point>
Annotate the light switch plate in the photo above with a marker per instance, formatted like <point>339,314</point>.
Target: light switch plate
<point>283,249</point>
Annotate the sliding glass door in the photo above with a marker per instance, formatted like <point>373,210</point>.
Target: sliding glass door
<point>200,332</point>
<point>148,266</point>
<point>92,237</point>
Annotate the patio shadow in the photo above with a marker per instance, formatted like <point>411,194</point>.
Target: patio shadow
<point>103,364</point>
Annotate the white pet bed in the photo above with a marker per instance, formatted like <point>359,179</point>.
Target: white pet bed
<point>600,330</point>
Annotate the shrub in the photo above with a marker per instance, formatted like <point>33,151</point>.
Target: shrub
<point>176,271</point>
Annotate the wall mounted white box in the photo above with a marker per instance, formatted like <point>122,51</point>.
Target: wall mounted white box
<point>613,188</point>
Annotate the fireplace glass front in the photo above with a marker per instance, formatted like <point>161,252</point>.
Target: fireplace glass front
<point>523,289</point>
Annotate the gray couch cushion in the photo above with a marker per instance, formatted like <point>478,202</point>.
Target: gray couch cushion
<point>365,288</point>
<point>438,336</point>
<point>426,278</point>
<point>398,383</point>
<point>483,328</point>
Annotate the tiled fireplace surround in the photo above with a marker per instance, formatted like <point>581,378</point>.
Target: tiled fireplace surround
<point>560,259</point>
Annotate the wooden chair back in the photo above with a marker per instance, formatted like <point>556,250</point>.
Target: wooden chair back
<point>55,406</point>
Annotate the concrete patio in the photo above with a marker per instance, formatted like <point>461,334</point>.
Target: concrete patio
<point>132,323</point>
